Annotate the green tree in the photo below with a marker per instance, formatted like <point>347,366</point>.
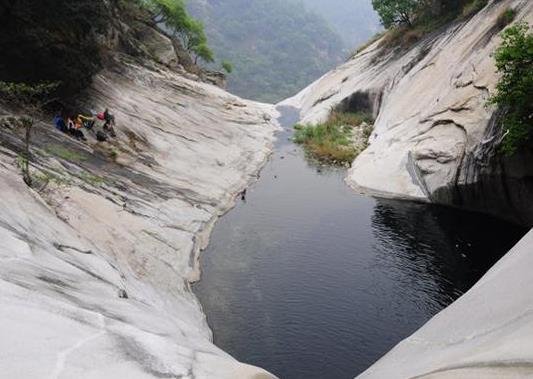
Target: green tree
<point>204,52</point>
<point>514,91</point>
<point>396,12</point>
<point>227,66</point>
<point>173,13</point>
<point>31,98</point>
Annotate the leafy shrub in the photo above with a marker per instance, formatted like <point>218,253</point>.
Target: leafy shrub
<point>396,12</point>
<point>173,13</point>
<point>514,91</point>
<point>227,66</point>
<point>24,94</point>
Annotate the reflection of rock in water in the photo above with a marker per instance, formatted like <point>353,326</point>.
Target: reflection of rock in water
<point>411,233</point>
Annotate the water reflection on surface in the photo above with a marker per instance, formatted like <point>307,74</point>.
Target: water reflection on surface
<point>309,280</point>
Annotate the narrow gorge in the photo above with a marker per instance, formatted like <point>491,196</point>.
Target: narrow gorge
<point>201,242</point>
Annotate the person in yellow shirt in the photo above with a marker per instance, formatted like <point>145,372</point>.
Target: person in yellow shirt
<point>86,121</point>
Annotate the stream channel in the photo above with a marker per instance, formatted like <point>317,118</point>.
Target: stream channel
<point>308,279</point>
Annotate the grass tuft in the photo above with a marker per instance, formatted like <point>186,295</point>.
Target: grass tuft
<point>333,141</point>
<point>372,39</point>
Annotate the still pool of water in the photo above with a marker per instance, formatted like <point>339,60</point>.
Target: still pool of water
<point>309,280</point>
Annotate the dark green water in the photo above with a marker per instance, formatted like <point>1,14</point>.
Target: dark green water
<point>309,280</point>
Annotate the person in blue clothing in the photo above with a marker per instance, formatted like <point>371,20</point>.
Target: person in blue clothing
<point>60,124</point>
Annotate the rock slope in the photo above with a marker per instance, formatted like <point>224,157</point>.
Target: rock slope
<point>434,137</point>
<point>96,261</point>
<point>487,333</point>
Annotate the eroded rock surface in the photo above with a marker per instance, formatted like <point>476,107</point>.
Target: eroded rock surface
<point>96,261</point>
<point>433,138</point>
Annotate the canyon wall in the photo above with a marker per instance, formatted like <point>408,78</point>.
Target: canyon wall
<point>435,139</point>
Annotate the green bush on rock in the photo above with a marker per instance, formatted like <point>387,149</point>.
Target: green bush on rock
<point>514,91</point>
<point>408,21</point>
<point>173,13</point>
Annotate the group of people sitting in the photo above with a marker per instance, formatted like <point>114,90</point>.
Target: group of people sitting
<point>74,125</point>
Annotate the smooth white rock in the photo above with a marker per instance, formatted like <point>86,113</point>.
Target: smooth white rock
<point>185,149</point>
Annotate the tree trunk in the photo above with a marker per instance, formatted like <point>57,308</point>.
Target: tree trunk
<point>28,123</point>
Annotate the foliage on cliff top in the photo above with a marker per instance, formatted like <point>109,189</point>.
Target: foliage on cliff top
<point>514,91</point>
<point>410,20</point>
<point>333,140</point>
<point>53,40</point>
<point>24,94</point>
<point>173,13</point>
<point>396,12</point>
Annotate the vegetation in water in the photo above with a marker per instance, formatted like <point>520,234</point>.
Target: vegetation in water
<point>338,140</point>
<point>514,91</point>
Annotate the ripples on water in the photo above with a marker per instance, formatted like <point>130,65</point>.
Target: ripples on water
<point>310,280</point>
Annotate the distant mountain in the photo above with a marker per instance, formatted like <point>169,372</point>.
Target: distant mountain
<point>277,47</point>
<point>354,20</point>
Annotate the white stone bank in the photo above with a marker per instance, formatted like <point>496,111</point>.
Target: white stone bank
<point>95,268</point>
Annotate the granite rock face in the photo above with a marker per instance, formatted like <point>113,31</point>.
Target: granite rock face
<point>96,261</point>
<point>434,136</point>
